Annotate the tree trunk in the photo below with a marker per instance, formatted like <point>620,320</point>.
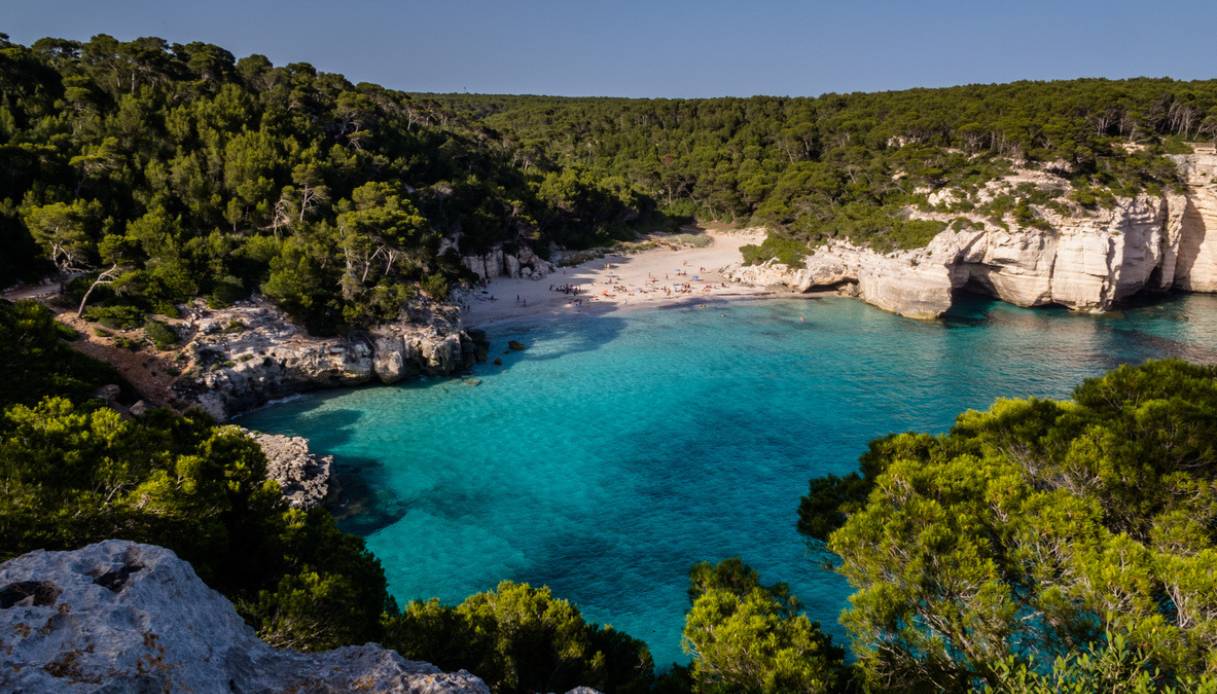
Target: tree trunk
<point>104,278</point>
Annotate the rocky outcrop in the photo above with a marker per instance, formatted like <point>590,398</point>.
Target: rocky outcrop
<point>499,263</point>
<point>241,357</point>
<point>303,475</point>
<point>117,616</point>
<point>1197,262</point>
<point>1083,260</point>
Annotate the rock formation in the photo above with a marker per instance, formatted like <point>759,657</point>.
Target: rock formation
<point>117,616</point>
<point>303,476</point>
<point>498,263</point>
<point>1086,261</point>
<point>1196,268</point>
<point>240,357</point>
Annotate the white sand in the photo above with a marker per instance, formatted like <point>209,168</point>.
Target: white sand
<point>616,282</point>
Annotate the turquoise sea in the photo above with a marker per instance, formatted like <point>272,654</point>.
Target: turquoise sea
<point>618,450</point>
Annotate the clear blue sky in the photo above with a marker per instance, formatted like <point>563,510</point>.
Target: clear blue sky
<point>679,48</point>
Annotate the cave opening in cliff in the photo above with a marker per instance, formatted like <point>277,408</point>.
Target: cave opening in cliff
<point>975,285</point>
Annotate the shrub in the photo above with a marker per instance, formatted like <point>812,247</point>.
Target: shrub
<point>522,639</point>
<point>161,334</point>
<point>786,251</point>
<point>119,317</point>
<point>436,286</point>
<point>226,291</point>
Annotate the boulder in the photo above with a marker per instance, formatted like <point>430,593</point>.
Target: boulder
<point>118,616</point>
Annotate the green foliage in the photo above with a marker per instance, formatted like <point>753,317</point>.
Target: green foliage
<point>522,639</point>
<point>75,472</point>
<point>784,250</point>
<point>204,176</point>
<point>746,637</point>
<point>117,317</point>
<point>35,362</point>
<point>163,336</point>
<point>214,177</point>
<point>848,165</point>
<point>436,286</point>
<point>1036,528</point>
<point>1108,667</point>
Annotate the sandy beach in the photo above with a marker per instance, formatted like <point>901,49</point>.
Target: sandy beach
<point>615,282</point>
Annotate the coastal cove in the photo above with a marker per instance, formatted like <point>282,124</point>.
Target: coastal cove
<point>619,449</point>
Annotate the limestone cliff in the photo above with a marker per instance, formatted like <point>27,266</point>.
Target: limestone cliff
<point>1086,260</point>
<point>117,616</point>
<point>241,357</point>
<point>1197,258</point>
<point>499,263</point>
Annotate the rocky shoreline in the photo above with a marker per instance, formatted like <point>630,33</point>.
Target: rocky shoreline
<point>1086,261</point>
<point>304,476</point>
<point>241,357</point>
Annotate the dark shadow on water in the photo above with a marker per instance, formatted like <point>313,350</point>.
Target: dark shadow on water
<point>586,332</point>
<point>363,504</point>
<point>338,425</point>
<point>1128,342</point>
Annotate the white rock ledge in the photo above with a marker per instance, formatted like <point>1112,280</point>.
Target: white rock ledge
<point>1085,262</point>
<point>241,357</point>
<point>117,616</point>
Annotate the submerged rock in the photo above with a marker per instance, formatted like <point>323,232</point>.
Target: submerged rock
<point>516,346</point>
<point>120,616</point>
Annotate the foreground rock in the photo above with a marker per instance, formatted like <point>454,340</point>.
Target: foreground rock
<point>118,616</point>
<point>303,475</point>
<point>1084,260</point>
<point>239,358</point>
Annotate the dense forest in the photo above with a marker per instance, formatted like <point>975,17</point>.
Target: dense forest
<point>1040,544</point>
<point>851,166</point>
<point>847,165</point>
<point>175,171</point>
<point>180,172</point>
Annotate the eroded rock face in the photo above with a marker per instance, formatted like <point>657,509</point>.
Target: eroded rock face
<point>1086,262</point>
<point>1197,259</point>
<point>240,357</point>
<point>117,616</point>
<point>303,475</point>
<point>497,263</point>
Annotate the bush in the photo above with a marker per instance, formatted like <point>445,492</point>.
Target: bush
<point>784,250</point>
<point>35,361</point>
<point>522,639</point>
<point>225,292</point>
<point>748,637</point>
<point>436,286</point>
<point>119,317</point>
<point>161,334</point>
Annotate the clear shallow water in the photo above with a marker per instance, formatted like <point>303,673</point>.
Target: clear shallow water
<point>618,450</point>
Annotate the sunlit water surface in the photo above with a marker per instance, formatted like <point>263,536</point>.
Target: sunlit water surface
<point>618,450</point>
